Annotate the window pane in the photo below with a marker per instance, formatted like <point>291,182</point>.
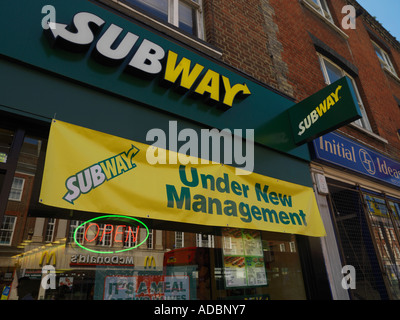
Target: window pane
<point>16,189</point>
<point>382,227</point>
<point>7,229</point>
<point>49,230</point>
<point>378,52</point>
<point>179,240</point>
<point>79,234</point>
<point>187,18</point>
<point>150,240</point>
<point>316,5</point>
<point>389,63</point>
<point>158,8</point>
<point>130,237</point>
<point>334,73</point>
<point>324,5</point>
<point>363,122</point>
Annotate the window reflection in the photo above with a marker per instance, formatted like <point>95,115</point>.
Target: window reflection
<point>6,137</point>
<point>386,241</point>
<point>230,264</point>
<point>175,262</point>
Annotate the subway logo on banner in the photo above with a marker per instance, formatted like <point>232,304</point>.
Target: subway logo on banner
<point>145,59</point>
<point>97,174</point>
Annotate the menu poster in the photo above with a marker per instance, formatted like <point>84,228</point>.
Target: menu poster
<point>243,258</point>
<point>235,271</point>
<point>233,242</point>
<point>256,275</point>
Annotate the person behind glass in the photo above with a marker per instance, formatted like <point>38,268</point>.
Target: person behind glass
<point>26,289</point>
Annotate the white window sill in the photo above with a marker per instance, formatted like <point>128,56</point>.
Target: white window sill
<point>163,27</point>
<point>390,73</point>
<point>369,133</point>
<point>324,19</point>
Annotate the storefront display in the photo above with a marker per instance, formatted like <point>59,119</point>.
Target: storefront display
<point>133,167</point>
<point>364,202</point>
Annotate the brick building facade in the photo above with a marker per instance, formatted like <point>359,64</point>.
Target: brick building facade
<point>277,42</point>
<point>291,48</point>
<point>296,47</point>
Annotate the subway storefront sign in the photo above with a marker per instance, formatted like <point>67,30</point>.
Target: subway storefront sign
<point>113,54</point>
<point>148,58</point>
<point>94,46</point>
<point>108,96</point>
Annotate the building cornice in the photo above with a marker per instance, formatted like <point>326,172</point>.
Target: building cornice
<point>375,25</point>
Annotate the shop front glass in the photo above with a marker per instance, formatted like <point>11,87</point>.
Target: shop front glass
<point>55,254</point>
<point>384,232</point>
<point>368,230</point>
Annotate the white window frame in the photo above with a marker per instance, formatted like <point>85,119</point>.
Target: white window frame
<point>318,5</point>
<point>396,252</point>
<point>179,239</point>
<point>19,189</point>
<point>14,218</point>
<point>206,243</point>
<point>50,229</point>
<point>386,63</point>
<point>74,224</point>
<point>150,239</point>
<point>363,122</point>
<point>106,240</point>
<point>128,235</point>
<point>173,13</point>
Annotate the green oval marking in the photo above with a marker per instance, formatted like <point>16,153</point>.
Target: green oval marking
<point>111,216</point>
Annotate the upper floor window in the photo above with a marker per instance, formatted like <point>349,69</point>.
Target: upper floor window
<point>74,224</point>
<point>332,73</point>
<point>184,14</point>
<point>322,7</point>
<point>384,59</point>
<point>150,239</point>
<point>7,230</point>
<point>49,235</point>
<point>179,239</point>
<point>130,237</point>
<point>105,235</point>
<point>204,240</point>
<point>16,189</point>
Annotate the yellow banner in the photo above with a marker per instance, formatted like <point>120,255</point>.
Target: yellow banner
<point>92,171</point>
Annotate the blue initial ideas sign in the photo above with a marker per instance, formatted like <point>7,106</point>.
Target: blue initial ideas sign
<point>343,152</point>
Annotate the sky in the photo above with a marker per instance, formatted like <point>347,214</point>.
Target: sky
<point>386,12</point>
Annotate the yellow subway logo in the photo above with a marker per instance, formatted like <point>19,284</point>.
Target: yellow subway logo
<point>208,84</point>
<point>319,111</point>
<point>94,176</point>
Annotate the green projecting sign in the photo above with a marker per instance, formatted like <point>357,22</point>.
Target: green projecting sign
<point>324,111</point>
